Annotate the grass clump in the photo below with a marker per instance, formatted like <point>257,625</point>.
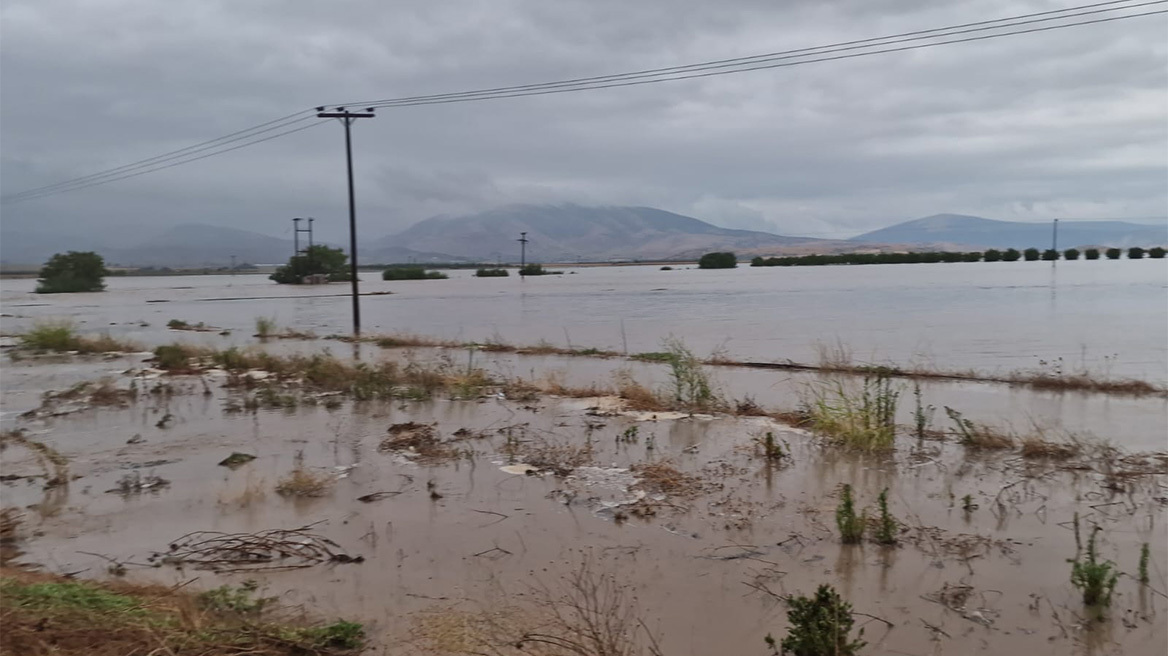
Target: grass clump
<point>851,526</point>
<point>301,482</point>
<point>820,626</point>
<point>174,357</point>
<point>922,414</point>
<point>61,336</point>
<point>412,273</point>
<point>772,450</point>
<point>1143,574</point>
<point>265,327</point>
<point>492,273</point>
<point>865,419</point>
<point>1094,578</point>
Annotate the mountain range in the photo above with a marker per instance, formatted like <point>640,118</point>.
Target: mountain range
<point>962,231</point>
<point>563,233</point>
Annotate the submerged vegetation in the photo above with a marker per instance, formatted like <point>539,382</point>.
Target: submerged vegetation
<point>492,273</point>
<point>718,261</point>
<point>411,273</point>
<point>75,271</point>
<point>863,418</point>
<point>820,626</point>
<point>1094,578</point>
<point>317,264</point>
<point>850,525</point>
<point>933,257</point>
<point>62,336</point>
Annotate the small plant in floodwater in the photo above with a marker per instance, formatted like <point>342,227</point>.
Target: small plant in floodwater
<point>631,435</point>
<point>265,327</point>
<point>851,526</point>
<point>691,383</point>
<point>1144,553</point>
<point>886,530</point>
<point>977,436</point>
<point>771,448</point>
<point>227,598</point>
<point>820,626</point>
<point>922,415</point>
<point>301,482</point>
<point>1094,578</point>
<point>967,503</point>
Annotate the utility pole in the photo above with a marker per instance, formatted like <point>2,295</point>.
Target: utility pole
<point>296,236</point>
<point>233,265</point>
<point>347,119</point>
<point>1054,238</point>
<point>522,251</point>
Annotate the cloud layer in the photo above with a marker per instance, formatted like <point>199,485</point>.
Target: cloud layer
<point>1071,123</point>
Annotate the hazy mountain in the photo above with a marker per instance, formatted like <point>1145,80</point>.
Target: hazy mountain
<point>571,232</point>
<point>977,232</point>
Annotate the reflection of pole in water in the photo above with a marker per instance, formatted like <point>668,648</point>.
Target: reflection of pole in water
<point>1054,244</point>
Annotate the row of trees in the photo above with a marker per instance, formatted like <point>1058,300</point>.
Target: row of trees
<point>991,255</point>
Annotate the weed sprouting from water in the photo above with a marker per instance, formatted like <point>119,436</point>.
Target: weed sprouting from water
<point>977,436</point>
<point>851,526</point>
<point>1143,573</point>
<point>967,503</point>
<point>265,327</point>
<point>301,482</point>
<point>1094,578</point>
<point>886,529</point>
<point>772,450</point>
<point>690,381</point>
<point>863,420</point>
<point>922,414</point>
<point>820,626</point>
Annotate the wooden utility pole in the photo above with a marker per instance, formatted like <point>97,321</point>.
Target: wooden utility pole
<point>347,119</point>
<point>522,251</point>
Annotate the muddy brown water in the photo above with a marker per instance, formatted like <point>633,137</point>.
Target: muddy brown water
<point>700,567</point>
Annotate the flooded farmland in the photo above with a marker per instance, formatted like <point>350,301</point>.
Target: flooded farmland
<point>472,499</point>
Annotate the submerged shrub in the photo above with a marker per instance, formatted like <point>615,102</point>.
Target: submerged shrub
<point>1114,253</point>
<point>1157,253</point>
<point>1135,253</point>
<point>886,529</point>
<point>72,272</point>
<point>1071,253</point>
<point>1050,255</point>
<point>993,255</point>
<point>718,261</point>
<point>863,419</point>
<point>492,273</point>
<point>415,273</point>
<point>1011,255</point>
<point>820,626</point>
<point>1090,254</point>
<point>1031,254</point>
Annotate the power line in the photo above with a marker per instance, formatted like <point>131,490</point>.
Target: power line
<point>869,42</point>
<point>781,59</point>
<point>53,192</point>
<point>627,82</point>
<point>176,154</point>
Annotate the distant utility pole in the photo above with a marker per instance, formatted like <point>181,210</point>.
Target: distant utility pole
<point>1054,238</point>
<point>347,119</point>
<point>233,265</point>
<point>296,230</point>
<point>522,251</point>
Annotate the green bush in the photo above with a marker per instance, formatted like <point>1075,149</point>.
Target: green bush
<point>1031,254</point>
<point>1156,252</point>
<point>718,261</point>
<point>533,270</point>
<point>492,273</point>
<point>75,271</point>
<point>973,256</point>
<point>1091,253</point>
<point>1071,253</point>
<point>411,273</point>
<point>316,261</point>
<point>1114,253</point>
<point>1135,253</point>
<point>993,255</point>
<point>173,357</point>
<point>820,626</point>
<point>1011,255</point>
<point>1050,255</point>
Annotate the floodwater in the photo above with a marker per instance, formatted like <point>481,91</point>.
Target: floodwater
<point>1109,317</point>
<point>461,538</point>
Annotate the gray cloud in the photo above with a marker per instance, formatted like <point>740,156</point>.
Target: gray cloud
<point>1072,123</point>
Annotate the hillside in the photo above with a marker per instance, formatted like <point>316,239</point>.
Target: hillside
<point>572,232</point>
<point>977,232</point>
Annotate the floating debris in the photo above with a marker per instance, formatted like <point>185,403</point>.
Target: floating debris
<point>236,459</point>
<point>273,549</point>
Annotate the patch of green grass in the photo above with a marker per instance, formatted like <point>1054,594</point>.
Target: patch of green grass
<point>652,356</point>
<point>688,377</point>
<point>51,336</point>
<point>265,327</point>
<point>173,357</point>
<point>492,273</point>
<point>412,273</point>
<point>50,597</point>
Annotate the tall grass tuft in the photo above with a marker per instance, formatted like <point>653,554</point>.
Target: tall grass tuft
<point>864,419</point>
<point>886,529</point>
<point>690,381</point>
<point>851,526</point>
<point>51,336</point>
<point>265,327</point>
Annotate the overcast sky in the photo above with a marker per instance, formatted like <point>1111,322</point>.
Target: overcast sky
<point>1069,123</point>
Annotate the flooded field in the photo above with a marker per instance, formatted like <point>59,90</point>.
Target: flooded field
<point>459,501</point>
